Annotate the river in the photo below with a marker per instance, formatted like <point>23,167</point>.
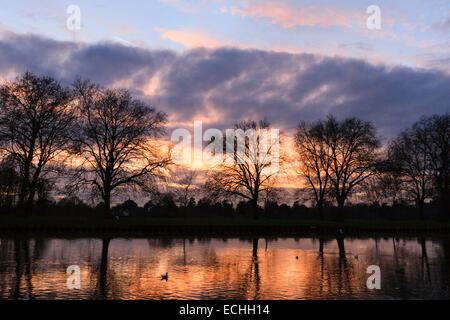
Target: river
<point>215,268</point>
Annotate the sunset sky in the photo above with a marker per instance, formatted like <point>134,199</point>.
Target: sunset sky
<point>286,60</point>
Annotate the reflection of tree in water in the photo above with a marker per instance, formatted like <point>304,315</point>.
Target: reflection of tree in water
<point>425,265</point>
<point>345,270</point>
<point>184,252</point>
<point>406,270</point>
<point>26,261</point>
<point>251,277</point>
<point>161,243</point>
<point>232,276</point>
<point>255,267</point>
<point>344,283</point>
<point>23,269</point>
<point>5,248</point>
<point>40,245</point>
<point>397,279</point>
<point>321,261</point>
<point>333,275</point>
<point>338,276</point>
<point>106,285</point>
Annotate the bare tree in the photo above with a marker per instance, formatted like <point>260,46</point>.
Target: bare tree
<point>185,186</point>
<point>409,156</point>
<point>35,118</point>
<point>315,160</point>
<point>434,134</point>
<point>115,139</point>
<point>352,147</point>
<point>422,155</point>
<point>248,174</point>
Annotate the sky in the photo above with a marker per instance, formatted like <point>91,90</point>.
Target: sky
<point>222,61</point>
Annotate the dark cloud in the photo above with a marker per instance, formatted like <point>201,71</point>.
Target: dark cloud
<point>238,84</point>
<point>107,63</point>
<point>27,52</point>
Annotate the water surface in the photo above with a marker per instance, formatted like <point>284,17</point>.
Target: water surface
<point>306,268</point>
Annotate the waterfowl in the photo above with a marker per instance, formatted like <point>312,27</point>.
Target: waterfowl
<point>165,277</point>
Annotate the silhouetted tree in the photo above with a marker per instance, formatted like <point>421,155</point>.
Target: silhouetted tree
<point>35,118</point>
<point>315,160</point>
<point>185,188</point>
<point>434,134</point>
<point>248,175</point>
<point>408,155</point>
<point>115,138</point>
<point>351,151</point>
<point>43,190</point>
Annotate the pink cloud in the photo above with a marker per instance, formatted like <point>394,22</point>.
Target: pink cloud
<point>290,16</point>
<point>188,38</point>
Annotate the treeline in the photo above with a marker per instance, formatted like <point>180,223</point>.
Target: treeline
<point>167,206</point>
<point>341,160</point>
<point>88,136</point>
<point>104,143</point>
<point>338,159</point>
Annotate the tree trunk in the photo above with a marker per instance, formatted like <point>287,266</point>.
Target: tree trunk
<point>341,246</point>
<point>29,204</point>
<point>320,208</point>
<point>107,211</point>
<point>21,205</point>
<point>255,209</point>
<point>421,210</point>
<point>22,195</point>
<point>340,212</point>
<point>255,248</point>
<point>26,183</point>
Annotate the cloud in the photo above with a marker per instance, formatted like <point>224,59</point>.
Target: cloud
<point>188,38</point>
<point>18,53</point>
<point>224,85</point>
<point>288,15</point>
<point>356,45</point>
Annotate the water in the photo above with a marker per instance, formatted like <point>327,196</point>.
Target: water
<point>328,268</point>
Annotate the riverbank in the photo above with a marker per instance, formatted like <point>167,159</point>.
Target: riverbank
<point>213,226</point>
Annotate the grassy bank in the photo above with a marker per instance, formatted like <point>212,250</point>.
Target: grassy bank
<point>218,226</point>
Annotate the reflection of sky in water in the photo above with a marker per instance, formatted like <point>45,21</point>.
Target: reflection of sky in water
<point>225,269</point>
